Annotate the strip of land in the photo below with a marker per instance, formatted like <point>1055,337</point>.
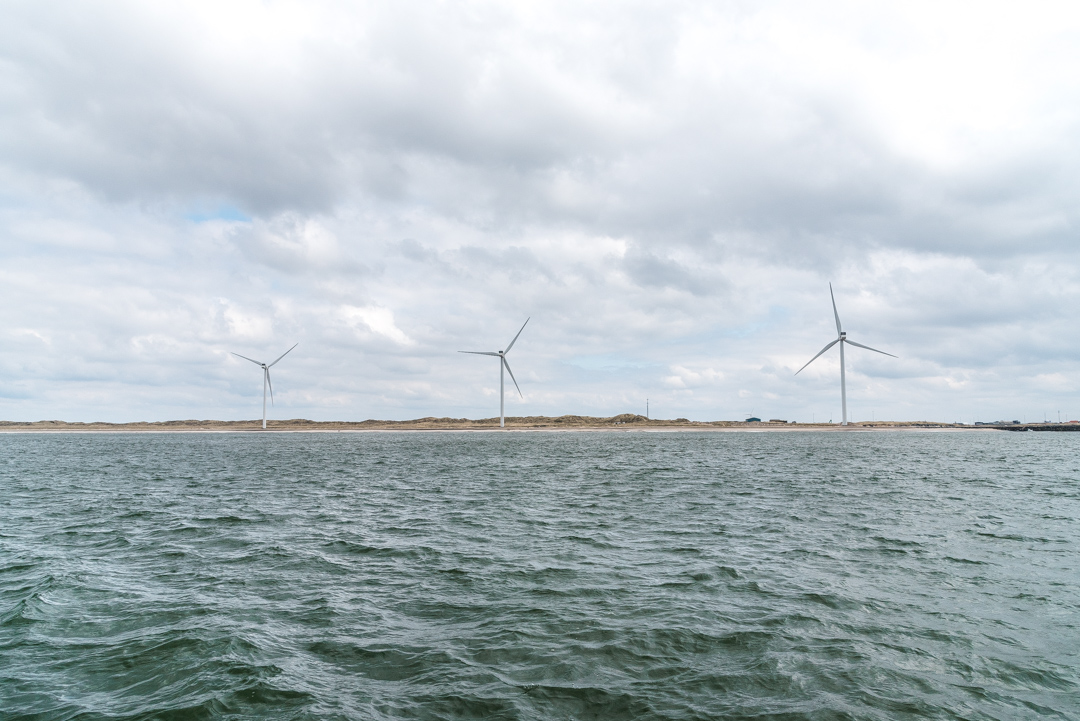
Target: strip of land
<point>624,422</point>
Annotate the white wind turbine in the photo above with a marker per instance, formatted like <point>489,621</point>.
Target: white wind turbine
<point>842,339</point>
<point>266,376</point>
<point>501,355</point>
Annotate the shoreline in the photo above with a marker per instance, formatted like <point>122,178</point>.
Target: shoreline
<point>626,423</point>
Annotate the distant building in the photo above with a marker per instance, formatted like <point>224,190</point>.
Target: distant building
<point>751,419</point>
<point>776,420</point>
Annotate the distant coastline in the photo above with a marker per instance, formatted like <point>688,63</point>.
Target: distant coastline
<point>625,422</point>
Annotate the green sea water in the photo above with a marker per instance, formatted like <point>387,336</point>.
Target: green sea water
<point>540,576</point>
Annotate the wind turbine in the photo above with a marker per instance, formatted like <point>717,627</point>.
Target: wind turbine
<point>501,355</point>
<point>266,376</point>
<point>841,338</point>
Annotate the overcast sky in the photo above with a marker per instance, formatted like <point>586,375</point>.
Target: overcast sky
<point>665,188</point>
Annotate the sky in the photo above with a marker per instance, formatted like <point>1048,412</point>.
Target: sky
<point>664,189</point>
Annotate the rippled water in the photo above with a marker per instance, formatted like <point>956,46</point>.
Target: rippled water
<point>540,575</point>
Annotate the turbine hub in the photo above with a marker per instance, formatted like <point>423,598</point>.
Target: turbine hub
<point>843,334</point>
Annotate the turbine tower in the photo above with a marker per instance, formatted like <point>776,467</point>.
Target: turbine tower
<point>266,376</point>
<point>842,339</point>
<point>501,355</point>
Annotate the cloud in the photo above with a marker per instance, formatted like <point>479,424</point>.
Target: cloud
<point>376,320</point>
<point>666,189</point>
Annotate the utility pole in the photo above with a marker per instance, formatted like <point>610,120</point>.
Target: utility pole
<point>646,409</point>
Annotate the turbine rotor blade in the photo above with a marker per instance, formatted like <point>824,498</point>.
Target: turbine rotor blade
<point>817,356</point>
<point>860,345</point>
<point>836,315</point>
<point>247,359</point>
<point>478,352</point>
<point>267,372</point>
<point>516,337</point>
<point>283,355</point>
<point>512,376</point>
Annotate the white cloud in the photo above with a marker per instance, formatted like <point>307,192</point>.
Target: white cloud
<point>247,326</point>
<point>377,320</point>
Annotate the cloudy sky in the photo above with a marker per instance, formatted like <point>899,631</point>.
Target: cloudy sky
<point>665,188</point>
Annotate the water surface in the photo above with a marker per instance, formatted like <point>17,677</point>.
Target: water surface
<point>540,576</point>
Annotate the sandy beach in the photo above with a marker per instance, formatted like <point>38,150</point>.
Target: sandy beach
<point>624,423</point>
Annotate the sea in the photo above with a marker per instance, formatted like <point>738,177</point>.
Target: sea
<point>537,575</point>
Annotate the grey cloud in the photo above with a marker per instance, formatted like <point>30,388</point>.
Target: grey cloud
<point>652,271</point>
<point>132,108</point>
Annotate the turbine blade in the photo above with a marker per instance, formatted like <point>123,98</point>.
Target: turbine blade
<point>247,359</point>
<point>512,376</point>
<point>283,355</point>
<point>267,371</point>
<point>817,356</point>
<point>478,352</point>
<point>518,333</point>
<point>836,315</point>
<point>860,345</point>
